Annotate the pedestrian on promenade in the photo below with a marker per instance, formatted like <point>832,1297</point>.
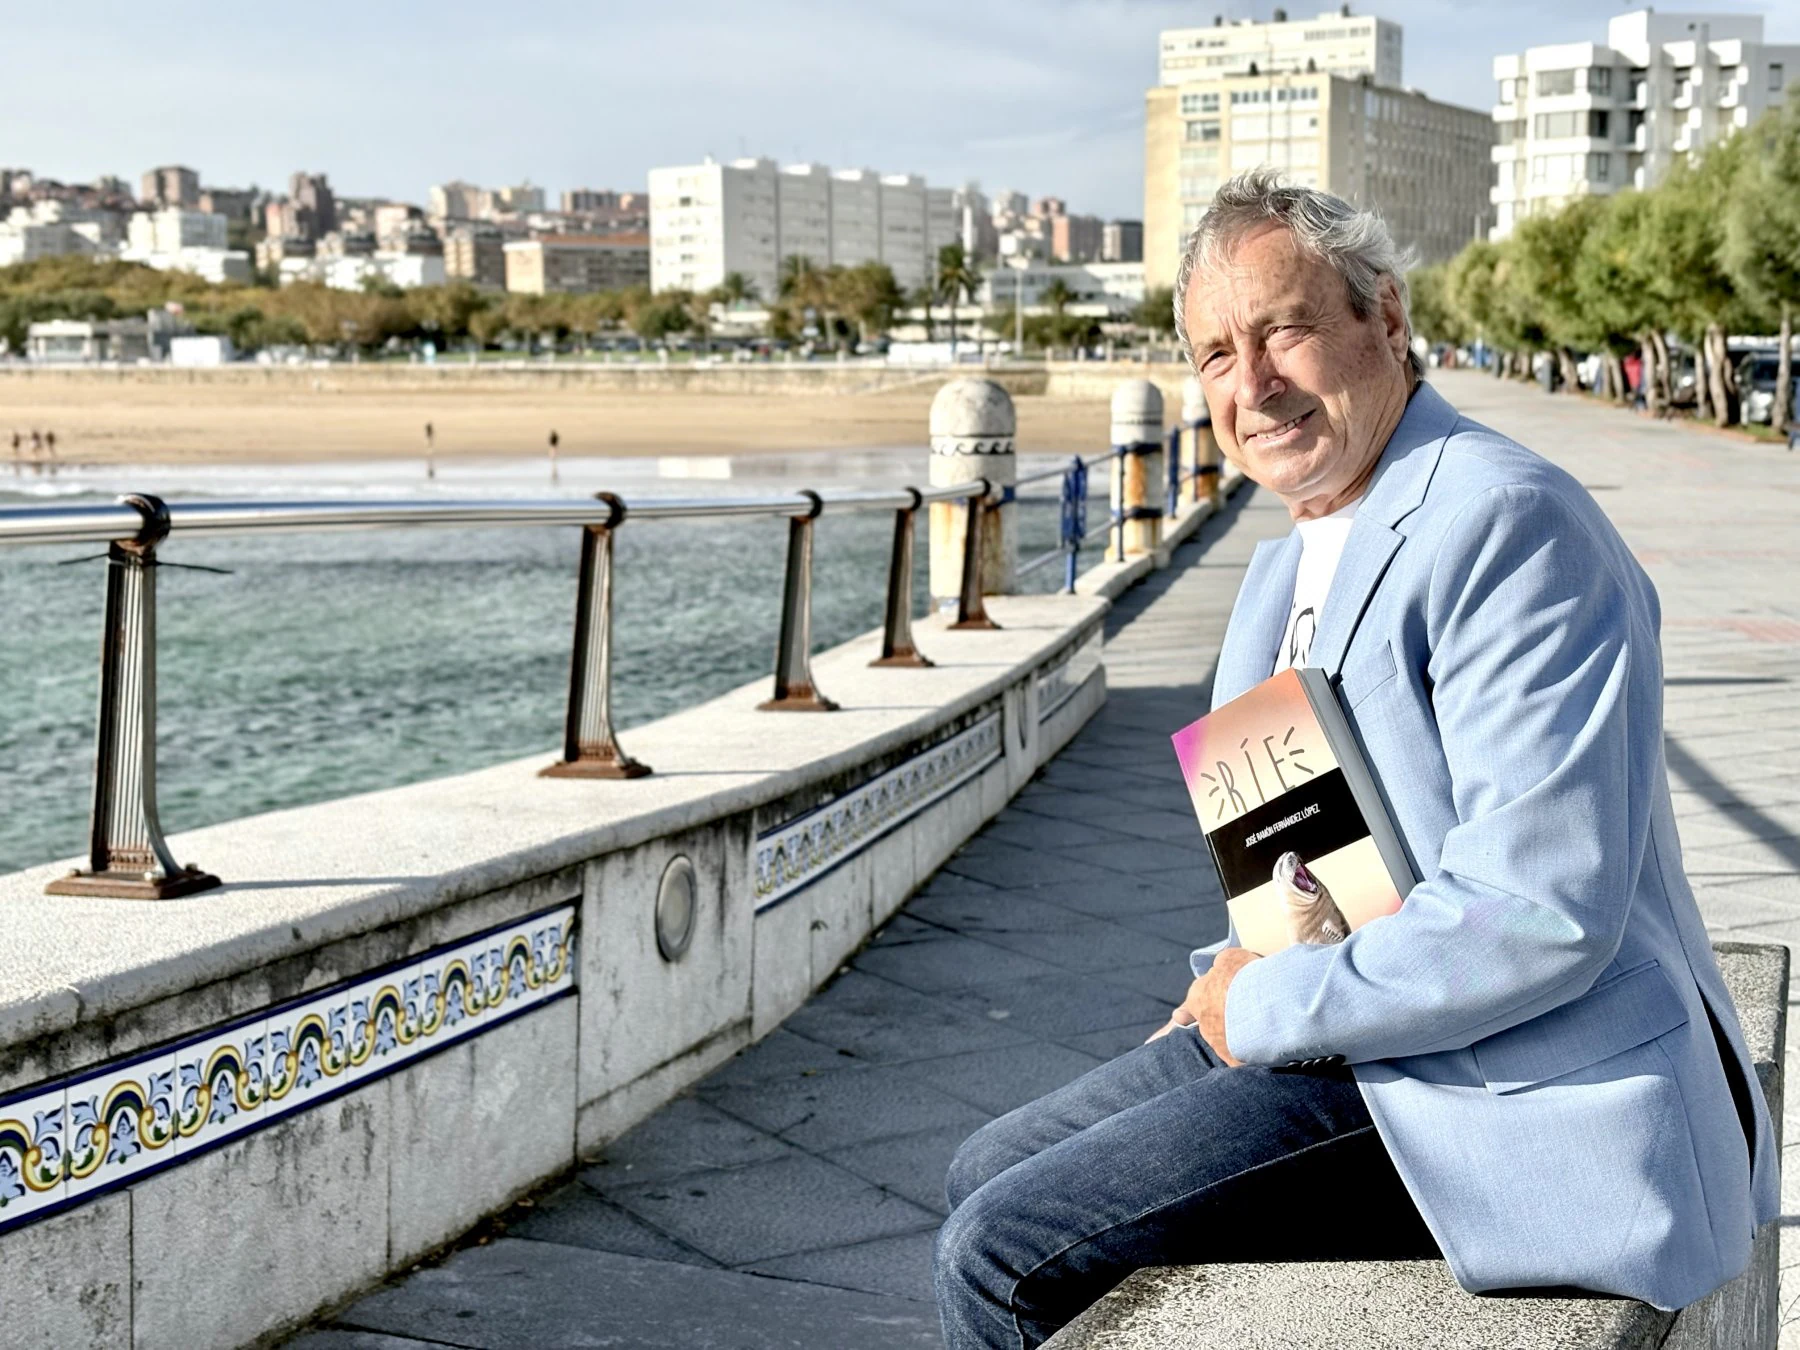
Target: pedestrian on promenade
<point>1533,1066</point>
<point>430,451</point>
<point>555,440</point>
<point>50,443</point>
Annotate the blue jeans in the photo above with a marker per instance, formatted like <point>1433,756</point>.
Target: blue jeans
<point>1164,1156</point>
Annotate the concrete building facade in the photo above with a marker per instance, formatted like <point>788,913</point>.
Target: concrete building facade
<point>1587,119</point>
<point>171,185</point>
<point>1337,42</point>
<point>1423,165</point>
<point>1122,241</point>
<point>475,253</point>
<point>748,215</point>
<point>577,264</point>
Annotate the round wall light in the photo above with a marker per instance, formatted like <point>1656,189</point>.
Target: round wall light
<point>677,906</point>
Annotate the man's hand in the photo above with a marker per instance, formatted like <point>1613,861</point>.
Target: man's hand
<point>1205,1002</point>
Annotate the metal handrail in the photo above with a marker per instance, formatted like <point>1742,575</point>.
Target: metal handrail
<point>101,524</point>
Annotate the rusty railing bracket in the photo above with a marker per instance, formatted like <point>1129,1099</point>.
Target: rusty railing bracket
<point>590,748</point>
<point>897,647</point>
<point>794,688</point>
<point>128,858</point>
<point>970,611</point>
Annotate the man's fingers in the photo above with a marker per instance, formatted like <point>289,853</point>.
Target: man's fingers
<point>1160,1032</point>
<point>1183,1017</point>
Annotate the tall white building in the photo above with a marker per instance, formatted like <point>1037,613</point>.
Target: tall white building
<point>171,230</point>
<point>1587,118</point>
<point>708,220</point>
<point>1337,42</point>
<point>749,215</point>
<point>903,228</point>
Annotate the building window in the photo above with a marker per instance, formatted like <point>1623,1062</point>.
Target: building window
<point>1199,103</point>
<point>1775,81</point>
<point>1599,166</point>
<point>1207,130</point>
<point>1599,80</point>
<point>1551,82</point>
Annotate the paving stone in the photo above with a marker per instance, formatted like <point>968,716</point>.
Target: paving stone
<point>576,1217</point>
<point>1114,1041</point>
<point>338,1339</point>
<point>1128,895</point>
<point>781,1055</point>
<point>836,1109</point>
<point>1094,944</point>
<point>1146,855</point>
<point>998,912</point>
<point>900,1266</point>
<point>685,1136</point>
<point>912,1166</point>
<point>997,1081</point>
<point>769,1209</point>
<point>1028,831</point>
<point>530,1295</point>
<point>1005,865</point>
<point>948,961</point>
<point>1070,1007</point>
<point>878,1021</point>
<point>1167,981</point>
<point>1189,926</point>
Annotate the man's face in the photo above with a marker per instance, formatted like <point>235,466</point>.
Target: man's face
<point>1303,394</point>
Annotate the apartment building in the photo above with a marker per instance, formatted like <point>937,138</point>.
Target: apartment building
<point>476,253</point>
<point>455,200</point>
<point>1423,165</point>
<point>171,185</point>
<point>577,264</point>
<point>1122,241</point>
<point>1337,42</point>
<point>749,215</point>
<point>1581,118</point>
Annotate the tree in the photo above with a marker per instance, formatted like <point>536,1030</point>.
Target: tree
<point>921,299</point>
<point>1613,289</point>
<point>958,277</point>
<point>1156,313</point>
<point>1761,246</point>
<point>1058,296</point>
<point>735,289</point>
<point>1434,318</point>
<point>868,295</point>
<point>1544,250</point>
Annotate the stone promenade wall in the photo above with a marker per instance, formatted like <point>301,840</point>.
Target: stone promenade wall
<point>221,1114</point>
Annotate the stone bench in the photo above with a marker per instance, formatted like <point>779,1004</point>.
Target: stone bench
<point>1376,1305</point>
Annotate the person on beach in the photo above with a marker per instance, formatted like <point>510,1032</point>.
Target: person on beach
<point>1533,1067</point>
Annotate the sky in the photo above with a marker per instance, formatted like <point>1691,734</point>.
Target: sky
<point>1041,96</point>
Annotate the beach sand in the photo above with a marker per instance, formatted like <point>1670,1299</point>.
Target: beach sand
<point>109,421</point>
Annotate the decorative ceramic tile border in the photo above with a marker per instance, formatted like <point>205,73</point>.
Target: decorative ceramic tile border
<point>798,852</point>
<point>65,1143</point>
<point>1057,685</point>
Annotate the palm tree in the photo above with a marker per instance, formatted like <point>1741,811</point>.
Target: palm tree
<point>804,285</point>
<point>1058,296</point>
<point>735,289</point>
<point>958,277</point>
<point>921,299</point>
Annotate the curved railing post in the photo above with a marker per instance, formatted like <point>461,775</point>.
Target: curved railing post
<point>794,689</point>
<point>128,858</point>
<point>590,749</point>
<point>1172,458</point>
<point>1074,520</point>
<point>971,612</point>
<point>897,648</point>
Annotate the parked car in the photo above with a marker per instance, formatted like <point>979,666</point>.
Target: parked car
<point>1756,384</point>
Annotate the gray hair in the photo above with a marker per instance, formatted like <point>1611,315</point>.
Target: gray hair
<point>1355,244</point>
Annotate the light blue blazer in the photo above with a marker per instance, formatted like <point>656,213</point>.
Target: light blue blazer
<point>1530,1031</point>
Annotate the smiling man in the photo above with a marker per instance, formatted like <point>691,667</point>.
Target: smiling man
<point>1533,1067</point>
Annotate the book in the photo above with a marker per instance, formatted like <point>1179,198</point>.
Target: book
<point>1294,819</point>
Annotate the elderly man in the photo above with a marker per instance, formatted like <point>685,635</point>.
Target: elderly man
<point>1532,1067</point>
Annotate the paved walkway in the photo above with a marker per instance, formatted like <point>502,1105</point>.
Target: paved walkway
<point>790,1200</point>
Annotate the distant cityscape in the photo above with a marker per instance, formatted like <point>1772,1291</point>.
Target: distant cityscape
<point>1321,99</point>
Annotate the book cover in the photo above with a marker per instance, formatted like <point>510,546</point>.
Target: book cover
<point>1295,822</point>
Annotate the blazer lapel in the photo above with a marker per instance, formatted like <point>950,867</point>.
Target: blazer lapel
<point>1254,633</point>
<point>1367,552</point>
<point>1407,463</point>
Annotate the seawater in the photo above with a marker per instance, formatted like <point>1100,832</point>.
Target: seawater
<point>334,663</point>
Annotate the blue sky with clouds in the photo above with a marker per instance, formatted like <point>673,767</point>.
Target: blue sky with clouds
<point>1042,95</point>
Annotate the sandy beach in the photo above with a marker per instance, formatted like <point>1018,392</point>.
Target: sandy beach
<point>122,417</point>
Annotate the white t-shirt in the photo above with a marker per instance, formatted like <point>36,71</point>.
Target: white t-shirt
<point>1321,545</point>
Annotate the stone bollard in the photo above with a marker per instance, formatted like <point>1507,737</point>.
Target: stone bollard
<point>1139,480</point>
<point>1204,452</point>
<point>972,429</point>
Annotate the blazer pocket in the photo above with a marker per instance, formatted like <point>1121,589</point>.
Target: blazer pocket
<point>1367,674</point>
<point>1631,1008</point>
